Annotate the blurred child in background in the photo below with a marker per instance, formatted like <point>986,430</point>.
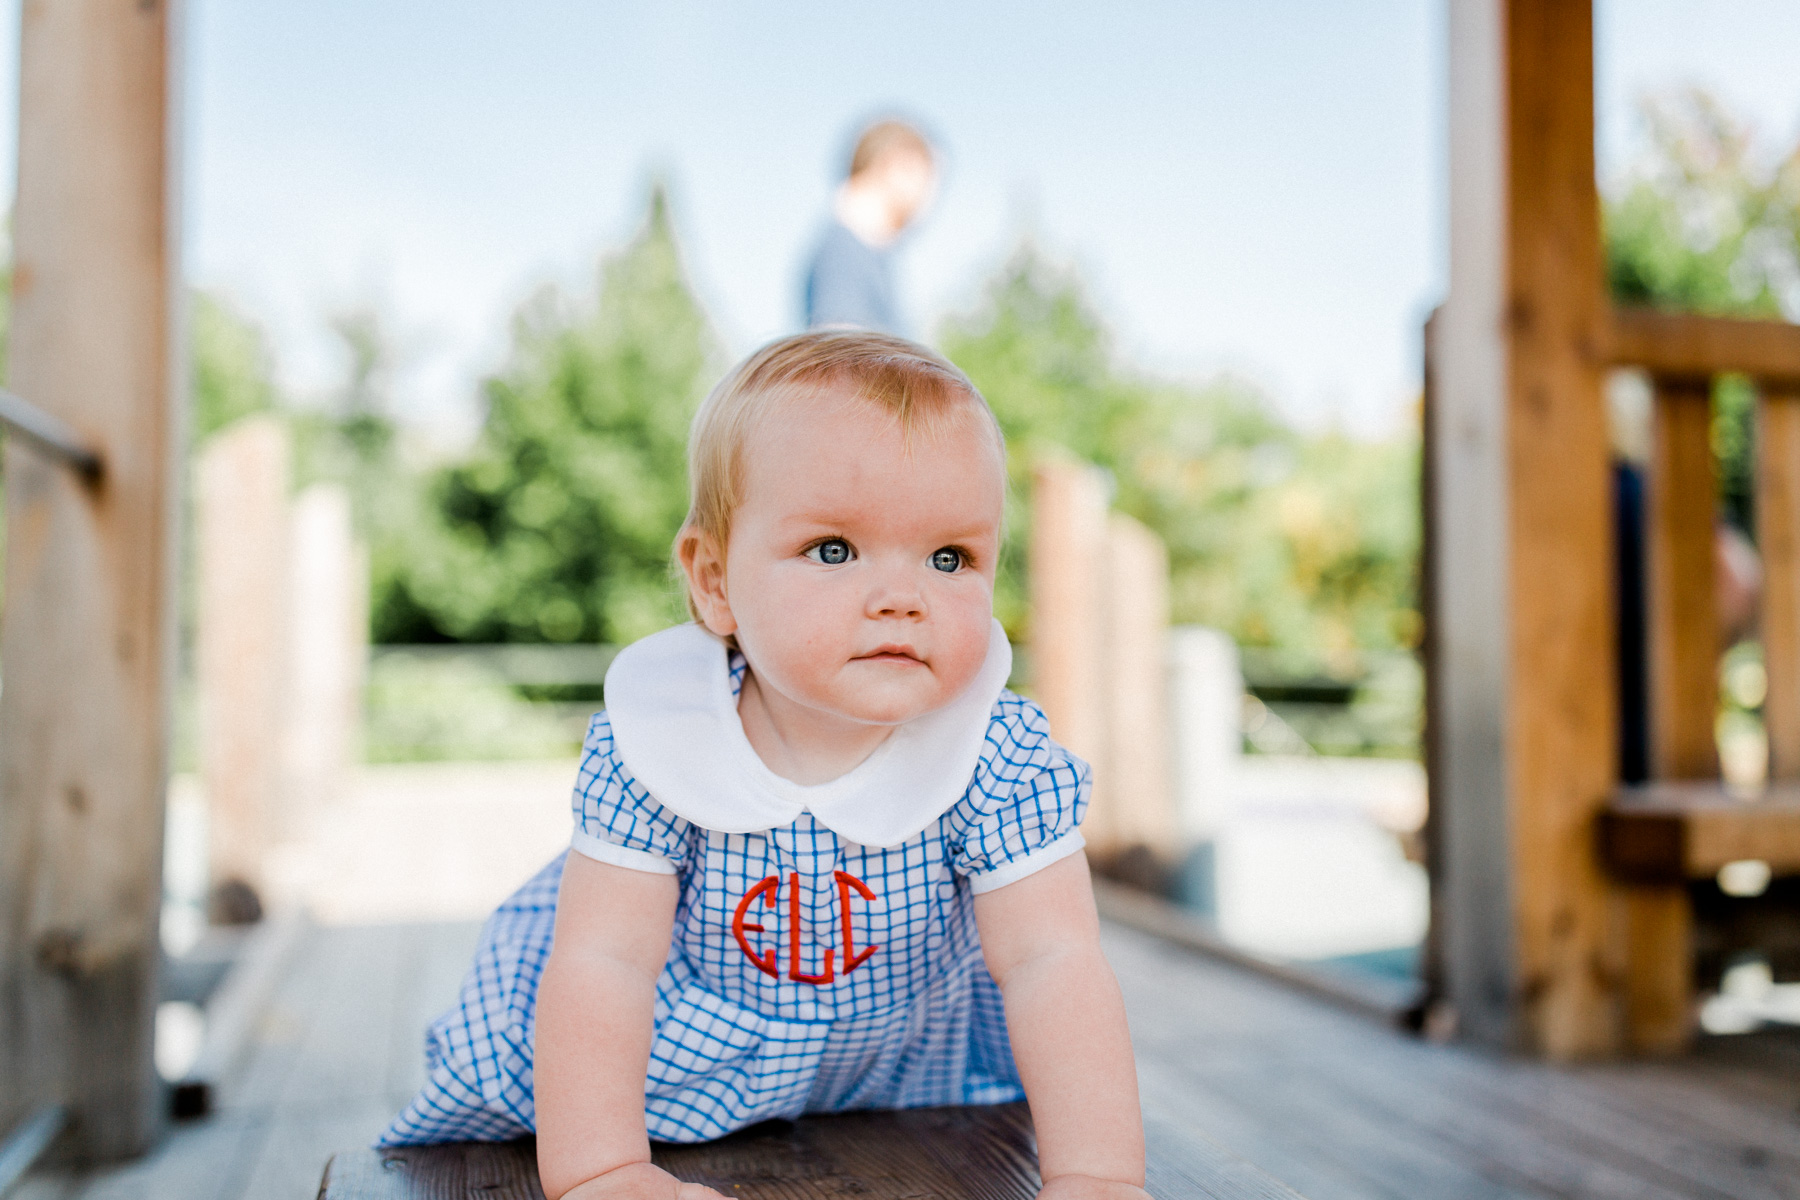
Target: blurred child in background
<point>891,178</point>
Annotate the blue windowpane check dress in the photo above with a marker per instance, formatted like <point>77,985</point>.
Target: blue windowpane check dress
<point>824,955</point>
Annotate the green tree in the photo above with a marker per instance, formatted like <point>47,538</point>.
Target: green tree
<point>1303,543</point>
<point>1706,221</point>
<point>233,372</point>
<point>353,439</point>
<point>558,526</point>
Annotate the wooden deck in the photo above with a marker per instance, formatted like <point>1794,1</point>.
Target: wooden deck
<point>1327,1101</point>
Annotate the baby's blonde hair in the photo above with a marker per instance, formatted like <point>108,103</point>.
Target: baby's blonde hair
<point>921,390</point>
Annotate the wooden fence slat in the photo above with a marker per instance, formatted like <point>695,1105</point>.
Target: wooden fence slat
<point>241,510</point>
<point>328,654</point>
<point>1099,656</point>
<point>1135,646</point>
<point>87,633</point>
<point>1684,640</point>
<point>1068,671</point>
<point>1778,537</point>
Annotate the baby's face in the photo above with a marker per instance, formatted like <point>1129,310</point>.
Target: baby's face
<point>859,577</point>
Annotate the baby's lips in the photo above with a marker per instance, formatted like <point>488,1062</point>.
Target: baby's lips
<point>892,650</point>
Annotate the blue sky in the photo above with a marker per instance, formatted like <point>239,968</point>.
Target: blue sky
<point>1252,187</point>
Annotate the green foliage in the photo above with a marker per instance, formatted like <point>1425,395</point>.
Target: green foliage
<point>352,440</point>
<point>1703,221</point>
<point>232,369</point>
<point>420,710</point>
<point>1308,543</point>
<point>558,526</point>
<point>5,306</point>
<point>1706,222</point>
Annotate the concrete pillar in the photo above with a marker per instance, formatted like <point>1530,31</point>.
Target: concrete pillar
<point>1206,699</point>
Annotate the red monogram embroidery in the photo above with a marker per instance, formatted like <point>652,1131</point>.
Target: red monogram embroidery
<point>770,889</point>
<point>766,889</point>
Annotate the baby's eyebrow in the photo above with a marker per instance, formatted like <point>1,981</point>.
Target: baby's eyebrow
<point>806,524</point>
<point>819,519</point>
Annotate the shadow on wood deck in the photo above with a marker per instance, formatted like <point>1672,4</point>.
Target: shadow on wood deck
<point>1329,1102</point>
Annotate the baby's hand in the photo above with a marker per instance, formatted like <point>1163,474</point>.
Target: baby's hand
<point>640,1181</point>
<point>1086,1187</point>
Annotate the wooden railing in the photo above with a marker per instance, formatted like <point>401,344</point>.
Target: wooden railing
<point>1684,824</point>
<point>1683,355</point>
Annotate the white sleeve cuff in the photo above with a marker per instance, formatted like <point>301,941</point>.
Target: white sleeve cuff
<point>601,850</point>
<point>1011,872</point>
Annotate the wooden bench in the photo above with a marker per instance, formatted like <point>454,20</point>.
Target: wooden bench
<point>1657,838</point>
<point>915,1154</point>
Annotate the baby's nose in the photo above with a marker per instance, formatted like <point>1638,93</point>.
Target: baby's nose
<point>899,606</point>
<point>897,596</point>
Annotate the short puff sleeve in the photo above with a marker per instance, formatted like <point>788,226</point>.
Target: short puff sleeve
<point>616,820</point>
<point>1030,795</point>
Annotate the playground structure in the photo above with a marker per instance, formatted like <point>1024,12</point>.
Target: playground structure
<point>1561,918</point>
<point>1562,923</point>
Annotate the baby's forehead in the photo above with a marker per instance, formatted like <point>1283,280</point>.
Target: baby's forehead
<point>950,419</point>
<point>842,454</point>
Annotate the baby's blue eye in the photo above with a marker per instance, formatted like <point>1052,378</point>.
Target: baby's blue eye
<point>947,560</point>
<point>831,552</point>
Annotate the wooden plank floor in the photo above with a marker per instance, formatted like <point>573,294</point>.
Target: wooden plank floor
<point>1326,1101</point>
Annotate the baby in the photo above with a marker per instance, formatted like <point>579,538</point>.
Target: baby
<point>823,859</point>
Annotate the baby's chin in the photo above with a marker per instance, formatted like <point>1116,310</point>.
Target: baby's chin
<point>878,701</point>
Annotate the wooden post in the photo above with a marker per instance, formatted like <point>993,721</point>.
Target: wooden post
<point>87,633</point>
<point>1684,695</point>
<point>1778,537</point>
<point>1136,650</point>
<point>328,654</point>
<point>1684,637</point>
<point>1522,587</point>
<point>1068,670</point>
<point>244,650</point>
<point>1659,967</point>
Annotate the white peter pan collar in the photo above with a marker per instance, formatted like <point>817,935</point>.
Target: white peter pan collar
<point>675,725</point>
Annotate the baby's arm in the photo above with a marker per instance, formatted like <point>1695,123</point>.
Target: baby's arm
<point>1041,939</point>
<point>594,1024</point>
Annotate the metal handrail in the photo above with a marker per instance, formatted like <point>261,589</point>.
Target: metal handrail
<point>27,1143</point>
<point>50,434</point>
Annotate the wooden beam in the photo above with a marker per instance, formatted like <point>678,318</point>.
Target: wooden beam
<point>242,653</point>
<point>1778,537</point>
<point>1522,586</point>
<point>1673,832</point>
<point>1683,344</point>
<point>87,629</point>
<point>1683,627</point>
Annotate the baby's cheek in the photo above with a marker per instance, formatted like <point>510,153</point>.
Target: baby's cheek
<point>967,642</point>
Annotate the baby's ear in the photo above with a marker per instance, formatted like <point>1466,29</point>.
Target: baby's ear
<point>703,563</point>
